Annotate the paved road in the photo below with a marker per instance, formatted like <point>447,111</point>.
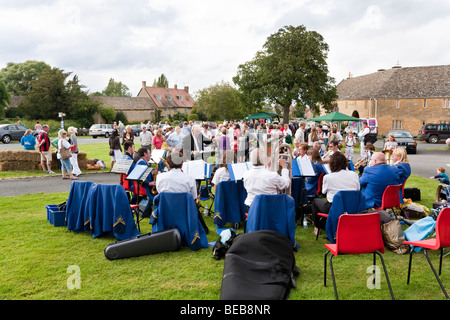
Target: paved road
<point>423,164</point>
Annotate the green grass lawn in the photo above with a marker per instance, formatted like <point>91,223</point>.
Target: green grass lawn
<point>35,257</point>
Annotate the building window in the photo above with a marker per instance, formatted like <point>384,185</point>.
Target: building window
<point>158,97</point>
<point>396,124</point>
<point>424,103</point>
<point>167,109</point>
<point>180,98</point>
<point>185,110</point>
<point>169,97</point>
<point>398,104</point>
<point>446,103</point>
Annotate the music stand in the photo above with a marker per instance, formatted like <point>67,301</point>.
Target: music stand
<point>139,174</point>
<point>303,167</point>
<point>122,167</point>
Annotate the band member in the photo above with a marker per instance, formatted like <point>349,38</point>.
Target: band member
<point>175,180</point>
<point>259,180</point>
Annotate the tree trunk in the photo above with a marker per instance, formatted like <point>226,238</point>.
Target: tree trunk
<point>286,112</point>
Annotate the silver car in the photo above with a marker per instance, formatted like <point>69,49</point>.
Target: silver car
<point>10,132</point>
<point>104,130</point>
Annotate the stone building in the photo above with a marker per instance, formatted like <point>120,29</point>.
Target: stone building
<point>136,109</point>
<point>168,101</point>
<point>399,98</point>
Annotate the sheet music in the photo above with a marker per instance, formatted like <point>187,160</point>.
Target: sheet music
<point>303,167</point>
<point>122,166</point>
<point>237,170</point>
<point>157,154</point>
<point>327,167</point>
<point>195,168</point>
<point>140,173</point>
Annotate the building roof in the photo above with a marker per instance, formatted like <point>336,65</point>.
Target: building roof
<point>398,83</point>
<point>125,103</point>
<point>169,97</point>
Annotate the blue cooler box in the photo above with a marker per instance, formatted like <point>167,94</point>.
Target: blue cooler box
<point>54,216</point>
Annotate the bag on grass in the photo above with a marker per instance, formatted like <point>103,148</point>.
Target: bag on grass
<point>393,237</point>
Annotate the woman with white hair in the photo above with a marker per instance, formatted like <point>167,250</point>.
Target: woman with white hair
<point>66,166</point>
<point>72,131</point>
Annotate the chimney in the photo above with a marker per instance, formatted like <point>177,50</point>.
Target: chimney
<point>144,84</point>
<point>186,88</point>
<point>175,86</point>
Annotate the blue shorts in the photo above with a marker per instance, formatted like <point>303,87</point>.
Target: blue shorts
<point>66,165</point>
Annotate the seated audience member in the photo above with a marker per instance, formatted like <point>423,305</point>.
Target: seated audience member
<point>340,178</point>
<point>334,147</point>
<point>175,180</point>
<point>441,176</point>
<point>222,173</point>
<point>376,178</point>
<point>311,182</point>
<point>259,180</point>
<point>401,162</point>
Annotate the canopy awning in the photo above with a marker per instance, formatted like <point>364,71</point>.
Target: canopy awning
<point>335,116</point>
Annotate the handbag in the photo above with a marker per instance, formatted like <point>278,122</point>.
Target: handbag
<point>65,153</point>
<point>393,237</point>
<point>111,152</point>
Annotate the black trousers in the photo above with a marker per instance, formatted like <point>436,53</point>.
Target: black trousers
<point>319,206</point>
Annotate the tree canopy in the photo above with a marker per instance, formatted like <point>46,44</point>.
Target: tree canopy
<point>290,69</point>
<point>18,77</point>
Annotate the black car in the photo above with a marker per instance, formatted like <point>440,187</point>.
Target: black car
<point>404,139</point>
<point>433,132</point>
<point>136,129</point>
<point>11,132</point>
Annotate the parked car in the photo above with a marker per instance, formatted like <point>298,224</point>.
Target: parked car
<point>405,140</point>
<point>104,130</point>
<point>136,129</point>
<point>11,132</point>
<point>432,132</point>
<point>82,131</point>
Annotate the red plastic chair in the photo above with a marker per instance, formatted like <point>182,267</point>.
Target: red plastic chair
<point>319,184</point>
<point>391,197</point>
<point>441,241</point>
<point>357,234</point>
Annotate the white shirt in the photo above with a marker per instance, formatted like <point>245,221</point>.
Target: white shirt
<point>62,143</point>
<point>220,175</point>
<point>337,181</point>
<point>363,132</point>
<point>300,135</point>
<point>176,180</point>
<point>146,138</point>
<point>259,180</point>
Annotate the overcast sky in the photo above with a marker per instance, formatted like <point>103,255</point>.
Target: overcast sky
<point>198,43</point>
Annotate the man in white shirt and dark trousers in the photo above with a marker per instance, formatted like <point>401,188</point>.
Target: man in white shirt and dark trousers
<point>175,180</point>
<point>146,138</point>
<point>259,180</point>
<point>362,135</point>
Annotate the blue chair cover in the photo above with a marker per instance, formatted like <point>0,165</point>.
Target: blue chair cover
<point>76,204</point>
<point>273,212</point>
<point>343,201</point>
<point>229,206</point>
<point>109,212</point>
<point>179,210</point>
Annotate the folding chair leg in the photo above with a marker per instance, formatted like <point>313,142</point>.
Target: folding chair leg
<point>435,274</point>
<point>409,265</point>
<point>332,276</point>
<point>325,269</point>
<point>440,261</point>
<point>385,273</point>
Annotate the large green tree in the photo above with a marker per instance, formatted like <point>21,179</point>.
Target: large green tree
<point>161,82</point>
<point>18,77</point>
<point>5,98</point>
<point>116,89</point>
<point>291,69</point>
<point>219,102</point>
<point>55,92</point>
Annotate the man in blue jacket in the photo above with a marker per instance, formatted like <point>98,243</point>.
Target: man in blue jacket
<point>376,178</point>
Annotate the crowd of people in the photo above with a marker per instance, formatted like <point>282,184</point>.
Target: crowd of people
<point>245,142</point>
